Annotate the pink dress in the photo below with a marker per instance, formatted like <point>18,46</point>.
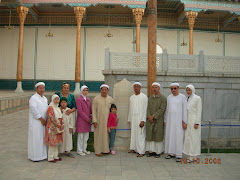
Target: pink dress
<point>84,112</point>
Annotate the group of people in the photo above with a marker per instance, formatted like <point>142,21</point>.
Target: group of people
<point>51,126</point>
<point>180,115</point>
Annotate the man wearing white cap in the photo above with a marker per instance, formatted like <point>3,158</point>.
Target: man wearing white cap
<point>175,122</point>
<point>100,111</point>
<point>38,105</point>
<point>137,118</point>
<point>154,126</point>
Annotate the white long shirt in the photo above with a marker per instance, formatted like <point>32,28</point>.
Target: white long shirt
<point>37,150</point>
<point>137,113</point>
<point>176,112</point>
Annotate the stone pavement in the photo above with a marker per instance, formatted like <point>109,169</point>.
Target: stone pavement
<point>123,166</point>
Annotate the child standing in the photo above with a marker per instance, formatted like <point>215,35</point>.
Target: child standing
<point>112,126</point>
<point>66,147</point>
<point>54,128</point>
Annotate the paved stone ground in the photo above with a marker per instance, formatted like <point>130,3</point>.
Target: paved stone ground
<point>123,166</point>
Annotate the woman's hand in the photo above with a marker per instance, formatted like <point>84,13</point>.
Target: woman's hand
<point>95,125</point>
<point>69,111</point>
<point>109,130</point>
<point>70,130</point>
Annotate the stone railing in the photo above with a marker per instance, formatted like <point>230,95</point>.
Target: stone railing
<point>173,63</point>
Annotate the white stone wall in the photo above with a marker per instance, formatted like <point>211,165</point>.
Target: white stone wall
<point>55,57</point>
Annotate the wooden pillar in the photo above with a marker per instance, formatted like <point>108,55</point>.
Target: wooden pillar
<point>239,18</point>
<point>79,12</point>
<point>138,13</point>
<point>152,37</point>
<point>191,16</point>
<point>22,13</point>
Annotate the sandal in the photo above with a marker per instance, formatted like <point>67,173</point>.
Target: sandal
<point>151,154</point>
<point>140,155</point>
<point>169,156</point>
<point>131,151</point>
<point>157,156</point>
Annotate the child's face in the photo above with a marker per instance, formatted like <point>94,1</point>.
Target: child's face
<point>113,110</point>
<point>63,104</point>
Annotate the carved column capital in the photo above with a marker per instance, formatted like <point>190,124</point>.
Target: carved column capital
<point>191,16</point>
<point>79,12</point>
<point>22,13</point>
<point>138,13</point>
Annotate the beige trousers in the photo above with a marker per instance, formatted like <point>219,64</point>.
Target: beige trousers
<point>52,153</point>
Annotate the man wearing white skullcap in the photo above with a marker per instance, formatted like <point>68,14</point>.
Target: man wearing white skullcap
<point>154,125</point>
<point>175,122</point>
<point>192,140</point>
<point>38,105</point>
<point>137,118</point>
<point>100,111</point>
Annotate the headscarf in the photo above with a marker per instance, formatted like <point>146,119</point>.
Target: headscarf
<point>190,86</point>
<point>82,88</point>
<point>56,109</point>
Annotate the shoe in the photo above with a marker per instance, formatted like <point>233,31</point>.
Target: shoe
<point>113,152</point>
<point>53,161</point>
<point>140,155</point>
<point>131,151</point>
<point>87,152</point>
<point>70,155</point>
<point>59,159</point>
<point>157,156</point>
<point>169,156</point>
<point>82,154</point>
<point>99,155</point>
<point>178,159</point>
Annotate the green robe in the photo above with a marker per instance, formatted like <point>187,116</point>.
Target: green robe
<point>156,106</point>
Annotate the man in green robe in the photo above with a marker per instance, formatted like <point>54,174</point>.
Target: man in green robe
<point>155,124</point>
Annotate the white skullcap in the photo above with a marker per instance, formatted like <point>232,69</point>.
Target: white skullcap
<point>39,84</point>
<point>190,86</point>
<point>83,87</point>
<point>137,83</point>
<point>104,85</point>
<point>174,84</point>
<point>156,84</point>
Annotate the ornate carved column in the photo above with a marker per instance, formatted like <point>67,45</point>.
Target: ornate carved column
<point>79,12</point>
<point>22,13</point>
<point>191,16</point>
<point>138,13</point>
<point>152,38</point>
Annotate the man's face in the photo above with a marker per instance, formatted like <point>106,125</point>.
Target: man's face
<point>175,90</point>
<point>155,89</point>
<point>189,91</point>
<point>85,91</point>
<point>63,104</point>
<point>137,88</point>
<point>40,89</point>
<point>104,91</point>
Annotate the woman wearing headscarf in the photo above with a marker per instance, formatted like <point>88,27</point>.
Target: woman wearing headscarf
<point>192,142</point>
<point>53,137</point>
<point>84,118</point>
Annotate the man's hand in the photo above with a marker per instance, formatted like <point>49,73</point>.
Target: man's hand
<point>70,130</point>
<point>150,118</point>
<point>184,125</point>
<point>196,126</point>
<point>141,124</point>
<point>95,125</point>
<point>42,121</point>
<point>164,124</point>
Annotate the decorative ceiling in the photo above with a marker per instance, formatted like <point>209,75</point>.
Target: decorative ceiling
<point>171,13</point>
